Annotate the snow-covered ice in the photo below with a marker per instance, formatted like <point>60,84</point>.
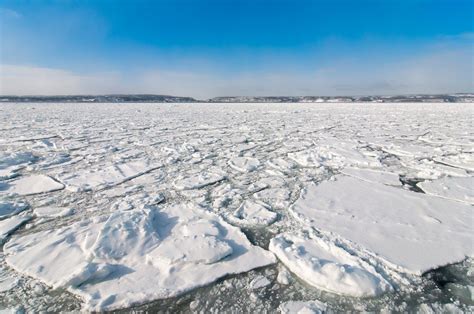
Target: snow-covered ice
<point>327,266</point>
<point>105,177</point>
<point>7,226</point>
<point>410,231</point>
<point>303,307</point>
<point>253,213</point>
<point>455,188</point>
<point>33,184</point>
<point>134,256</point>
<point>11,208</point>
<point>51,211</point>
<point>297,207</point>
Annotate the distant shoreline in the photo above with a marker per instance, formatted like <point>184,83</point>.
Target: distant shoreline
<point>419,98</point>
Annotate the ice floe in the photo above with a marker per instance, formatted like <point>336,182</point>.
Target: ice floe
<point>10,208</point>
<point>51,211</point>
<point>327,266</point>
<point>411,231</point>
<point>252,213</point>
<point>7,226</point>
<point>303,307</point>
<point>136,256</point>
<point>33,184</point>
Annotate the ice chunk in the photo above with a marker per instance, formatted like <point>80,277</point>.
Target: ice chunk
<point>198,181</point>
<point>455,188</point>
<point>117,261</point>
<point>376,176</point>
<point>7,282</point>
<point>276,197</point>
<point>9,173</point>
<point>303,307</point>
<point>50,211</point>
<point>251,213</point>
<point>10,208</point>
<point>7,226</point>
<point>259,282</point>
<point>327,266</point>
<point>412,232</point>
<point>34,184</point>
<point>106,177</point>
<point>244,164</point>
<point>16,159</point>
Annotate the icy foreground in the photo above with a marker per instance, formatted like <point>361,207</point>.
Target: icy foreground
<point>137,255</point>
<point>123,204</point>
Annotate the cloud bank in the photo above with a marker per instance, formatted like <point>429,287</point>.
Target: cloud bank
<point>440,71</point>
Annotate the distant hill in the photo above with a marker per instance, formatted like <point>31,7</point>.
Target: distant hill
<point>465,97</point>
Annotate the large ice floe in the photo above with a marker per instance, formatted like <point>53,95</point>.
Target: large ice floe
<point>236,208</point>
<point>327,266</point>
<point>409,231</point>
<point>133,256</point>
<point>34,184</point>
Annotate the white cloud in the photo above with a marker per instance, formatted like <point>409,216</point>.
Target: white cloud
<point>441,71</point>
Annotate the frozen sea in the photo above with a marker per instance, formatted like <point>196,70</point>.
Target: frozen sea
<point>292,208</point>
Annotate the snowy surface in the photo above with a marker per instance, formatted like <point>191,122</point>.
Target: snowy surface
<point>303,307</point>
<point>34,184</point>
<point>410,231</point>
<point>132,256</point>
<point>327,266</point>
<point>297,207</point>
<point>455,188</point>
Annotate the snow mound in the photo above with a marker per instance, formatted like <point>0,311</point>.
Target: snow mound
<point>455,188</point>
<point>135,256</point>
<point>327,266</point>
<point>411,232</point>
<point>34,184</point>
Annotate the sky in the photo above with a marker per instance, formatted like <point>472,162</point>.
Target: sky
<point>209,48</point>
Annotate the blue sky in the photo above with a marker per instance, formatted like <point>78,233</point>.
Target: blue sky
<point>236,47</point>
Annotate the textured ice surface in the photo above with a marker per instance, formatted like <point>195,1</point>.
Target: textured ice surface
<point>411,231</point>
<point>327,266</point>
<point>460,189</point>
<point>7,226</point>
<point>126,167</point>
<point>303,307</point>
<point>133,256</point>
<point>105,177</point>
<point>10,208</point>
<point>252,213</point>
<point>49,211</point>
<point>34,184</point>
<point>383,177</point>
